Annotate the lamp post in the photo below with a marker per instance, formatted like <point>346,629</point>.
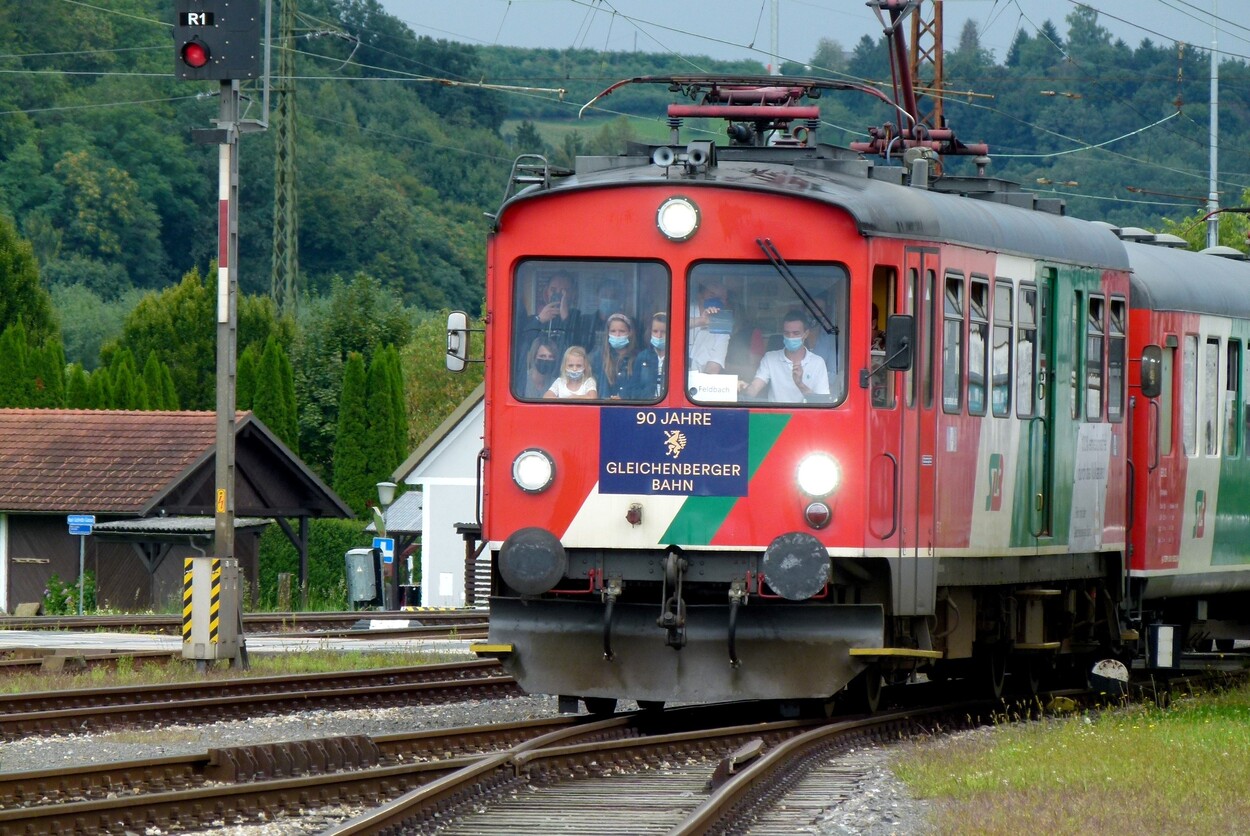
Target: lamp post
<point>386,495</point>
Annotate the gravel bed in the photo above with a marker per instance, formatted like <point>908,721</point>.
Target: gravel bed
<point>880,806</point>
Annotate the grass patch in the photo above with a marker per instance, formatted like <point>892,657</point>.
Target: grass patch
<point>1134,770</point>
<point>131,671</point>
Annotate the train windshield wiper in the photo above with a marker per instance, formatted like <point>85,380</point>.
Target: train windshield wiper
<point>779,264</point>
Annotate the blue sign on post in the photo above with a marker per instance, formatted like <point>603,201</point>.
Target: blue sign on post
<point>386,545</point>
<point>80,523</point>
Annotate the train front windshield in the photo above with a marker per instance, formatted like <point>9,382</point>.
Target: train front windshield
<point>601,331</point>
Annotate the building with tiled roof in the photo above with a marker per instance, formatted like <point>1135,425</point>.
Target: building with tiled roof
<point>141,467</point>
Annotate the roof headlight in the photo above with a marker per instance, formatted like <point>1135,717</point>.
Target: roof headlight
<point>678,218</point>
<point>818,475</point>
<point>533,470</point>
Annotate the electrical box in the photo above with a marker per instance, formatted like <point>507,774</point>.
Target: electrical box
<point>210,608</point>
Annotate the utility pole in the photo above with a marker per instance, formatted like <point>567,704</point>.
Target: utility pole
<point>219,40</point>
<point>284,285</point>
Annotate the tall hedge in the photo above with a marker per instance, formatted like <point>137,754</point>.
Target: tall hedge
<point>328,542</point>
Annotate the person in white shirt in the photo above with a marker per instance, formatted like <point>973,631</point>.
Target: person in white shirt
<point>707,349</point>
<point>790,373</point>
<point>575,380</point>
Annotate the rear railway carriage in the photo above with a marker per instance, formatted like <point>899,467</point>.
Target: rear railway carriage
<point>984,487</point>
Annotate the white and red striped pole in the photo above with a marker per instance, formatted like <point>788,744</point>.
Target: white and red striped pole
<point>227,314</point>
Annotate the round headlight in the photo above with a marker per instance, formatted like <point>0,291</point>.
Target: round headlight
<point>677,218</point>
<point>818,475</point>
<point>533,470</point>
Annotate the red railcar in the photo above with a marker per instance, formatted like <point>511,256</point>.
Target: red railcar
<point>883,427</point>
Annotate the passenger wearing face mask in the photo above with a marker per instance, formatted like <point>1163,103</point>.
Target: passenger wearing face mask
<point>790,373</point>
<point>651,359</point>
<point>574,380</point>
<point>541,367</point>
<point>613,363</point>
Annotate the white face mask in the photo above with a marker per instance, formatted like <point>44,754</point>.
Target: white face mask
<point>572,374</point>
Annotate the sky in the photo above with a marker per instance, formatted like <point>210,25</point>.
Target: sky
<point>731,29</point>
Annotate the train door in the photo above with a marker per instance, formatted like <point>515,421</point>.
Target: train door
<point>1037,308</point>
<point>918,295</point>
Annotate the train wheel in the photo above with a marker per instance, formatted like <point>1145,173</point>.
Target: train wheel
<point>600,705</point>
<point>1027,675</point>
<point>863,695</point>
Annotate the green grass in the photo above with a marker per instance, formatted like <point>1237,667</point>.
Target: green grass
<point>129,671</point>
<point>1135,770</point>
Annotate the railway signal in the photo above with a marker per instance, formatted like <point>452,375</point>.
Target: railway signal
<point>217,40</point>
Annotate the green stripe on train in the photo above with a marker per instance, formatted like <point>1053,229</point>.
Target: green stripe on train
<point>701,517</point>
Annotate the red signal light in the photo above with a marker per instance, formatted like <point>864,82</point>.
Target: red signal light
<point>195,55</point>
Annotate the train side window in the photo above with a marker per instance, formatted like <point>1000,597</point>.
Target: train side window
<point>909,377</point>
<point>953,343</point>
<point>1095,339</point>
<point>1026,350</point>
<point>1077,320</point>
<point>930,301</point>
<point>1232,399</point>
<point>1116,352</point>
<point>1166,399</point>
<point>884,280</point>
<point>1211,397</point>
<point>1189,395</point>
<point>978,337</point>
<point>1000,354</point>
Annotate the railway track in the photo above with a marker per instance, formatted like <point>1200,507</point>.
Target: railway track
<point>654,770</point>
<point>51,712</point>
<point>698,769</point>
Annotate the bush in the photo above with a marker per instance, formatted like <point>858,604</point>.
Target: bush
<point>328,541</point>
<point>60,598</point>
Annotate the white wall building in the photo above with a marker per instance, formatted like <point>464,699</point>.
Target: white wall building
<point>444,467</point>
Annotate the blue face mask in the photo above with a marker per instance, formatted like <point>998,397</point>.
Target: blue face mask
<point>618,342</point>
<point>573,375</point>
<point>792,343</point>
<point>657,342</point>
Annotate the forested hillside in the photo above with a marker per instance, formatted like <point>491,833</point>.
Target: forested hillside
<point>108,209</point>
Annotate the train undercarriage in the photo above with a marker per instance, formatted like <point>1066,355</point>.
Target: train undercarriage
<point>702,626</point>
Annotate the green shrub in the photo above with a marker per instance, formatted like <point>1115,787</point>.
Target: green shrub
<point>328,542</point>
<point>60,598</point>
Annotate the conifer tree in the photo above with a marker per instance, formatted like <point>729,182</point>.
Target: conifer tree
<point>401,450</point>
<point>100,389</point>
<point>170,393</point>
<point>14,376</point>
<point>273,401</point>
<point>380,440</point>
<point>45,368</point>
<point>77,389</point>
<point>128,389</point>
<point>245,378</point>
<point>152,382</point>
<point>291,436</point>
<point>351,471</point>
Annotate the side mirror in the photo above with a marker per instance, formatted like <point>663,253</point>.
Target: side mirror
<point>457,341</point>
<point>1151,371</point>
<point>900,330</point>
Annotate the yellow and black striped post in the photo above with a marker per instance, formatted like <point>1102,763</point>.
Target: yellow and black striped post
<point>187,578</point>
<point>210,625</point>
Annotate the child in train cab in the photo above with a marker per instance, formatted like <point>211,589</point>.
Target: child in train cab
<point>650,363</point>
<point>575,380</point>
<point>613,362</point>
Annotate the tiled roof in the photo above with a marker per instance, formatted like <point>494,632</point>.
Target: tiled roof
<point>89,461</point>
